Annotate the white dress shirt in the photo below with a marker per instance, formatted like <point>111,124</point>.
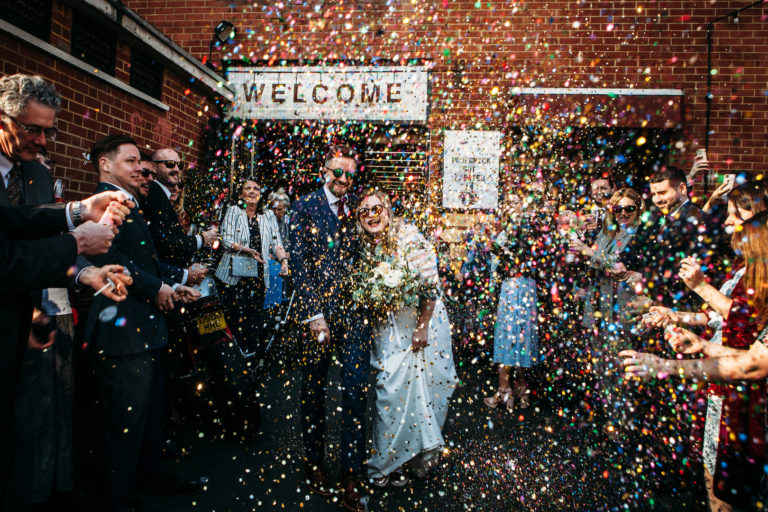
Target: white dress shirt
<point>5,169</point>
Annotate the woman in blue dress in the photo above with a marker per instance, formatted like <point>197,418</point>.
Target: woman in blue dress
<point>515,344</point>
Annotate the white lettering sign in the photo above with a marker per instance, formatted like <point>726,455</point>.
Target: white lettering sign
<point>397,93</point>
<point>471,169</point>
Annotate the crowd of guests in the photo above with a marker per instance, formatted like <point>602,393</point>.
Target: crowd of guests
<point>133,245</point>
<point>589,283</point>
<point>608,282</point>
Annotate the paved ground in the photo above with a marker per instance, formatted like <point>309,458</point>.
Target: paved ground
<point>537,459</point>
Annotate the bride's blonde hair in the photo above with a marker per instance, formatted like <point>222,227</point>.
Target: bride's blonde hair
<point>388,239</point>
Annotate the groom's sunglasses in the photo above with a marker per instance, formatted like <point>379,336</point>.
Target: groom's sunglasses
<point>338,173</point>
<point>375,210</point>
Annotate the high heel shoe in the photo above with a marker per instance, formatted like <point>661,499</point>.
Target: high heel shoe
<point>523,395</point>
<point>502,396</point>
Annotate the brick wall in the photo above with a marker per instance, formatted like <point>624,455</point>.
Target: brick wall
<point>92,108</point>
<point>482,49</point>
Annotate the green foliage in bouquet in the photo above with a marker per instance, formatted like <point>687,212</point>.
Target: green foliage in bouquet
<point>384,283</point>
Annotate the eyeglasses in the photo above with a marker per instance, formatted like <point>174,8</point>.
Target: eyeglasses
<point>170,164</point>
<point>375,210</point>
<point>620,209</point>
<point>148,172</point>
<point>34,130</point>
<point>338,173</point>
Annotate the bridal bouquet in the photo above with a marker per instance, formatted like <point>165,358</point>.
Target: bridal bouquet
<point>384,283</point>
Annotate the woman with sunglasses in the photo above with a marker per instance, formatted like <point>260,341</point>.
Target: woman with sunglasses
<point>411,354</point>
<point>732,460</point>
<point>606,316</point>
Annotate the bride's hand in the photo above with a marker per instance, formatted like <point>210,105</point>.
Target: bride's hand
<point>419,338</point>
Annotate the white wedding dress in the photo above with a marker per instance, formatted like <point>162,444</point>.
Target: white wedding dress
<point>412,388</point>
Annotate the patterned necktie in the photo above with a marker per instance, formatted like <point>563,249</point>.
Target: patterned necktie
<point>14,185</point>
<point>341,204</point>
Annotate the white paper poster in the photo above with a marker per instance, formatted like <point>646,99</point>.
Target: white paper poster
<point>471,169</point>
<point>362,93</point>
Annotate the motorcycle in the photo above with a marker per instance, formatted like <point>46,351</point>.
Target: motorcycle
<point>219,364</point>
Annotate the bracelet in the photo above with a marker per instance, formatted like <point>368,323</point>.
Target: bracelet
<point>76,213</point>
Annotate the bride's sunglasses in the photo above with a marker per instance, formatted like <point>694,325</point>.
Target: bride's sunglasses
<point>621,209</point>
<point>375,210</point>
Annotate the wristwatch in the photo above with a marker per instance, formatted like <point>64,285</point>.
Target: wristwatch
<point>76,213</point>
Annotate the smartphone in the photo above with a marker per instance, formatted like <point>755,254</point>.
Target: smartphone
<point>701,154</point>
<point>730,180</point>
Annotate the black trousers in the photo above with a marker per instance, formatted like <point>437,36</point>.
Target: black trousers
<point>244,311</point>
<point>131,389</point>
<point>15,471</point>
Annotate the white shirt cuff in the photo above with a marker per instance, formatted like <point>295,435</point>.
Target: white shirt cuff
<point>68,215</point>
<point>316,317</point>
<point>199,241</point>
<point>175,285</point>
<point>79,273</point>
<point>185,276</point>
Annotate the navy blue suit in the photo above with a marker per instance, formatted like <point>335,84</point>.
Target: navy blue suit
<point>322,249</point>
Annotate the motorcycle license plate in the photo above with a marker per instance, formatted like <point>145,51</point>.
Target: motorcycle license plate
<point>211,322</point>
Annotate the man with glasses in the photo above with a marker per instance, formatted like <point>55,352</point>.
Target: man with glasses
<point>28,106</point>
<point>173,244</point>
<point>323,240</point>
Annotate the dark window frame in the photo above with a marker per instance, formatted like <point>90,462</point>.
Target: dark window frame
<point>147,73</point>
<point>32,16</point>
<point>93,43</point>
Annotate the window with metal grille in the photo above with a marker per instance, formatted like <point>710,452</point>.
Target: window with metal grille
<point>33,16</point>
<point>397,159</point>
<point>146,73</point>
<point>93,43</point>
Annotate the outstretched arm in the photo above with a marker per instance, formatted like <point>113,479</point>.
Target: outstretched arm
<point>749,364</point>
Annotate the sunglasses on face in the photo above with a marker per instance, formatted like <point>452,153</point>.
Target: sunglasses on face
<point>170,164</point>
<point>620,209</point>
<point>374,210</point>
<point>148,172</point>
<point>34,130</point>
<point>338,173</point>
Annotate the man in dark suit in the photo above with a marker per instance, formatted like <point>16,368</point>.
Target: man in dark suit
<point>323,241</point>
<point>678,229</point>
<point>173,245</point>
<point>125,339</point>
<point>28,106</point>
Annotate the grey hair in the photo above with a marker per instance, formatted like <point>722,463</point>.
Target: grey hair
<point>281,196</point>
<point>17,90</point>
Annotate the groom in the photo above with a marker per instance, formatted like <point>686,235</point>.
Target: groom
<point>323,241</point>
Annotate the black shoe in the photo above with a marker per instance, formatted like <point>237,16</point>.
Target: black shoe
<point>168,485</point>
<point>173,450</point>
<point>316,480</point>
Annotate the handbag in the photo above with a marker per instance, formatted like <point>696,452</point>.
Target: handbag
<point>244,266</point>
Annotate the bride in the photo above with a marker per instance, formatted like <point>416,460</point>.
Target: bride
<point>411,354</point>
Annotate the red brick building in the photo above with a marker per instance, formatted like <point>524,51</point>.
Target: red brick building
<point>116,74</point>
<point>553,77</point>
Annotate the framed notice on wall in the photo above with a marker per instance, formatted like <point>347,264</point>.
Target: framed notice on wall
<point>471,169</point>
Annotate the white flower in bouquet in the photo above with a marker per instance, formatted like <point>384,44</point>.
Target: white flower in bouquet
<point>393,278</point>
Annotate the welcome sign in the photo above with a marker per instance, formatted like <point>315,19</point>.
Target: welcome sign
<point>363,93</point>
